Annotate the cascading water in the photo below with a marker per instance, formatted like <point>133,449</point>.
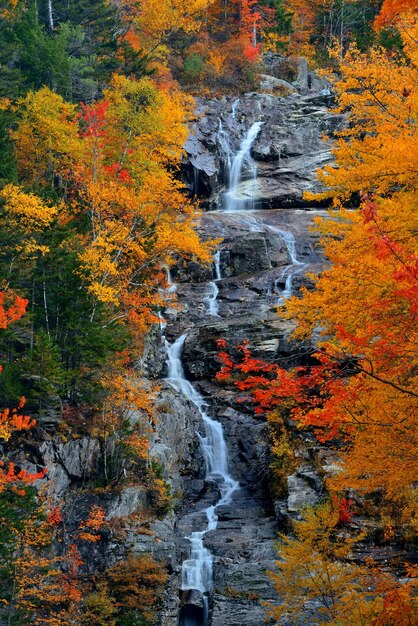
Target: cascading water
<point>217,259</point>
<point>243,157</point>
<point>172,287</point>
<point>212,299</point>
<point>197,569</point>
<point>290,271</point>
<point>213,305</point>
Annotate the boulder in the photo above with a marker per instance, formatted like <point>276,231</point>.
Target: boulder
<point>276,85</point>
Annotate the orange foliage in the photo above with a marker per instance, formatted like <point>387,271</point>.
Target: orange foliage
<point>136,583</point>
<point>90,528</point>
<point>392,10</point>
<point>343,592</point>
<point>9,476</point>
<point>11,311</point>
<point>362,385</point>
<point>303,26</point>
<point>249,20</point>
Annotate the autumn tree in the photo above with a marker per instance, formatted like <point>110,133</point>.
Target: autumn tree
<point>109,212</point>
<point>366,301</point>
<point>155,22</point>
<point>317,25</point>
<point>319,581</point>
<point>392,11</point>
<point>136,585</point>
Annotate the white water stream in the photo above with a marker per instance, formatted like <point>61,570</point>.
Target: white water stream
<point>172,287</point>
<point>289,271</point>
<point>233,202</point>
<point>197,569</point>
<point>213,304</point>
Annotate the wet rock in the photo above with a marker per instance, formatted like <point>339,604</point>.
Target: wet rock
<point>287,151</point>
<point>174,444</point>
<point>247,256</point>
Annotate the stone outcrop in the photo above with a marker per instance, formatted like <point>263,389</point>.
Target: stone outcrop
<point>287,151</point>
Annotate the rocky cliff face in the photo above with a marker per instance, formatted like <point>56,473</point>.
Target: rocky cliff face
<point>254,259</point>
<point>287,151</point>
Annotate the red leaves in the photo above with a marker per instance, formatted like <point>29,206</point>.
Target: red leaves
<point>13,311</point>
<point>251,52</point>
<point>311,394</point>
<point>345,510</point>
<point>119,173</point>
<point>225,371</point>
<point>369,208</point>
<point>94,117</point>
<point>54,517</point>
<point>18,479</point>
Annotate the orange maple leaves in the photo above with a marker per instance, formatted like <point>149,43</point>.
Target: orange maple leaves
<point>392,9</point>
<point>11,311</point>
<point>10,419</point>
<point>89,530</point>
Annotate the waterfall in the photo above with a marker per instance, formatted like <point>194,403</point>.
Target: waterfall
<point>232,201</point>
<point>172,287</point>
<point>196,174</point>
<point>212,298</point>
<point>217,259</point>
<point>290,271</point>
<point>197,569</point>
<point>289,242</point>
<point>234,108</point>
<point>162,322</point>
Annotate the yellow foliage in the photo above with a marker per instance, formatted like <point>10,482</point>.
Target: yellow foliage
<point>272,42</point>
<point>27,215</point>
<point>46,141</point>
<point>216,60</point>
<point>117,162</point>
<point>156,21</point>
<point>315,567</point>
<point>138,211</point>
<point>5,104</point>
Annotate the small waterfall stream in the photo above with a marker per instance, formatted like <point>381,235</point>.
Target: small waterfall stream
<point>232,200</point>
<point>197,569</point>
<point>213,304</point>
<point>289,271</point>
<point>172,287</point>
